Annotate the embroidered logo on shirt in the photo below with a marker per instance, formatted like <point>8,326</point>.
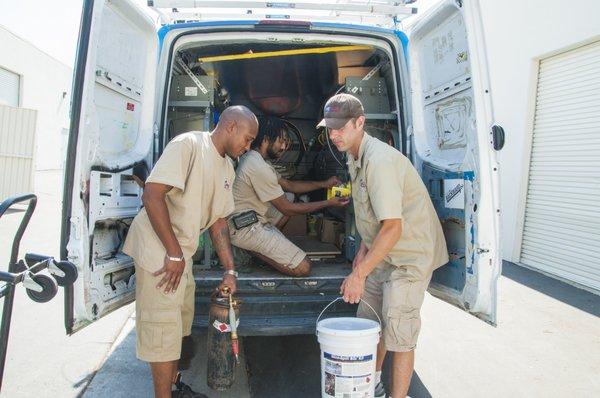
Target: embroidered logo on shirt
<point>363,185</point>
<point>227,186</point>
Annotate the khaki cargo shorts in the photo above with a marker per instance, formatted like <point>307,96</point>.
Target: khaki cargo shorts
<point>162,319</point>
<point>396,293</point>
<point>267,240</point>
<point>273,215</point>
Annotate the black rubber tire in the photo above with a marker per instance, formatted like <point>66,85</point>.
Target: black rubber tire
<point>49,289</point>
<point>70,273</point>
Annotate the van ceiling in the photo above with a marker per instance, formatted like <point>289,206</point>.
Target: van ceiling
<point>276,85</point>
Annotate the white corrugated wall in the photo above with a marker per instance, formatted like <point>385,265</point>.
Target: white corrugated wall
<point>561,234</point>
<point>17,140</point>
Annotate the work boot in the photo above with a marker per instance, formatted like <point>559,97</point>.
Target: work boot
<point>185,391</point>
<point>380,390</point>
<point>188,351</point>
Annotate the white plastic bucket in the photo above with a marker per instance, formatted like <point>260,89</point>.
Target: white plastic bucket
<point>348,354</point>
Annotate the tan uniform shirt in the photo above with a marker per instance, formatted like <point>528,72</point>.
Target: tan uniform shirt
<point>256,184</point>
<point>202,193</point>
<point>385,185</point>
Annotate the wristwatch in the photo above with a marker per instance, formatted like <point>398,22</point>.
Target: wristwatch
<point>174,258</point>
<point>231,272</point>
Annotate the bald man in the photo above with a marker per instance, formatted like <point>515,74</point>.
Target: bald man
<point>188,191</point>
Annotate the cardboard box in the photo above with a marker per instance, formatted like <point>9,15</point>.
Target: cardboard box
<point>352,71</point>
<point>295,226</point>
<point>328,230</point>
<point>352,58</point>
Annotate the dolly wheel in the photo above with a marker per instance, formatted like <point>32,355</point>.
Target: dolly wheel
<point>48,292</point>
<point>70,273</point>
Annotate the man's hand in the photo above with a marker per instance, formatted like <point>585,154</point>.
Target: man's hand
<point>229,282</point>
<point>353,288</point>
<point>331,182</point>
<point>338,202</point>
<point>173,271</point>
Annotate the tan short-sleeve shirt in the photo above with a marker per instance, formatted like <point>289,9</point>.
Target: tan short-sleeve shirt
<point>385,185</point>
<point>202,183</point>
<point>256,184</point>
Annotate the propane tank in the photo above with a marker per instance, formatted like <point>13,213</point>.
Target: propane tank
<point>221,361</point>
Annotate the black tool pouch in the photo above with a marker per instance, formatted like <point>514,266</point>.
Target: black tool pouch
<point>244,219</point>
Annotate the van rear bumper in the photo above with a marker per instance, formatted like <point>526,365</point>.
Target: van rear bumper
<point>273,326</point>
<point>277,305</point>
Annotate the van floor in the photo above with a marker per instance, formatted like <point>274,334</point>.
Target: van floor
<point>328,263</point>
<point>330,268</point>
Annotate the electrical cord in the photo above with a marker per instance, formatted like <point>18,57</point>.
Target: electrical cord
<point>292,166</point>
<point>327,135</point>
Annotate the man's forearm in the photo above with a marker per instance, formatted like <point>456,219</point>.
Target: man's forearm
<point>219,234</point>
<point>304,208</point>
<point>301,187</point>
<point>363,247</point>
<point>385,240</point>
<point>161,223</point>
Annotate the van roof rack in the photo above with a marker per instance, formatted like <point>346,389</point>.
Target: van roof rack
<point>382,13</point>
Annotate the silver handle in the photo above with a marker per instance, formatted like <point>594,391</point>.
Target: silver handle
<point>339,298</point>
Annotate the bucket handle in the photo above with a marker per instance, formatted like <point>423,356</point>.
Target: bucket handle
<point>339,298</point>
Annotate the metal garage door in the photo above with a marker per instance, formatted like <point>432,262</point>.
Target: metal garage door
<point>561,234</point>
<point>17,140</point>
<point>9,88</point>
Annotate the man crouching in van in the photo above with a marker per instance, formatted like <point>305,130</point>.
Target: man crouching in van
<point>261,205</point>
<point>402,239</point>
<point>187,192</point>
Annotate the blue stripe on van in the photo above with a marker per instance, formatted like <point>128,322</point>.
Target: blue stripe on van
<point>162,32</point>
<point>404,40</point>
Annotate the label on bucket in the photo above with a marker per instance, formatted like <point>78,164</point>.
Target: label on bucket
<point>348,376</point>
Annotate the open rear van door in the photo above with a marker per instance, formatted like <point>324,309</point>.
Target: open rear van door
<point>455,144</point>
<point>110,140</point>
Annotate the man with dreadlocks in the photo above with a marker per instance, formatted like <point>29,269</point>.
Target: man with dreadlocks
<point>261,205</point>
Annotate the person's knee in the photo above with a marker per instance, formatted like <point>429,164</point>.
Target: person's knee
<point>303,269</point>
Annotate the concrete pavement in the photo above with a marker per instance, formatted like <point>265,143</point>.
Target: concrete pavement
<point>547,344</point>
<point>124,376</point>
<point>41,360</point>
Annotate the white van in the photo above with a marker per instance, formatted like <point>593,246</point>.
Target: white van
<point>137,84</point>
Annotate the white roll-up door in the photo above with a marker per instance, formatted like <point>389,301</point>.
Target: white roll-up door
<point>17,143</point>
<point>561,234</point>
<point>9,88</point>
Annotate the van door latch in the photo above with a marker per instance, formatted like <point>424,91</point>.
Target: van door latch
<point>497,134</point>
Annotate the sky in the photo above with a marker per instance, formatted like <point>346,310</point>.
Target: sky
<point>52,26</point>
